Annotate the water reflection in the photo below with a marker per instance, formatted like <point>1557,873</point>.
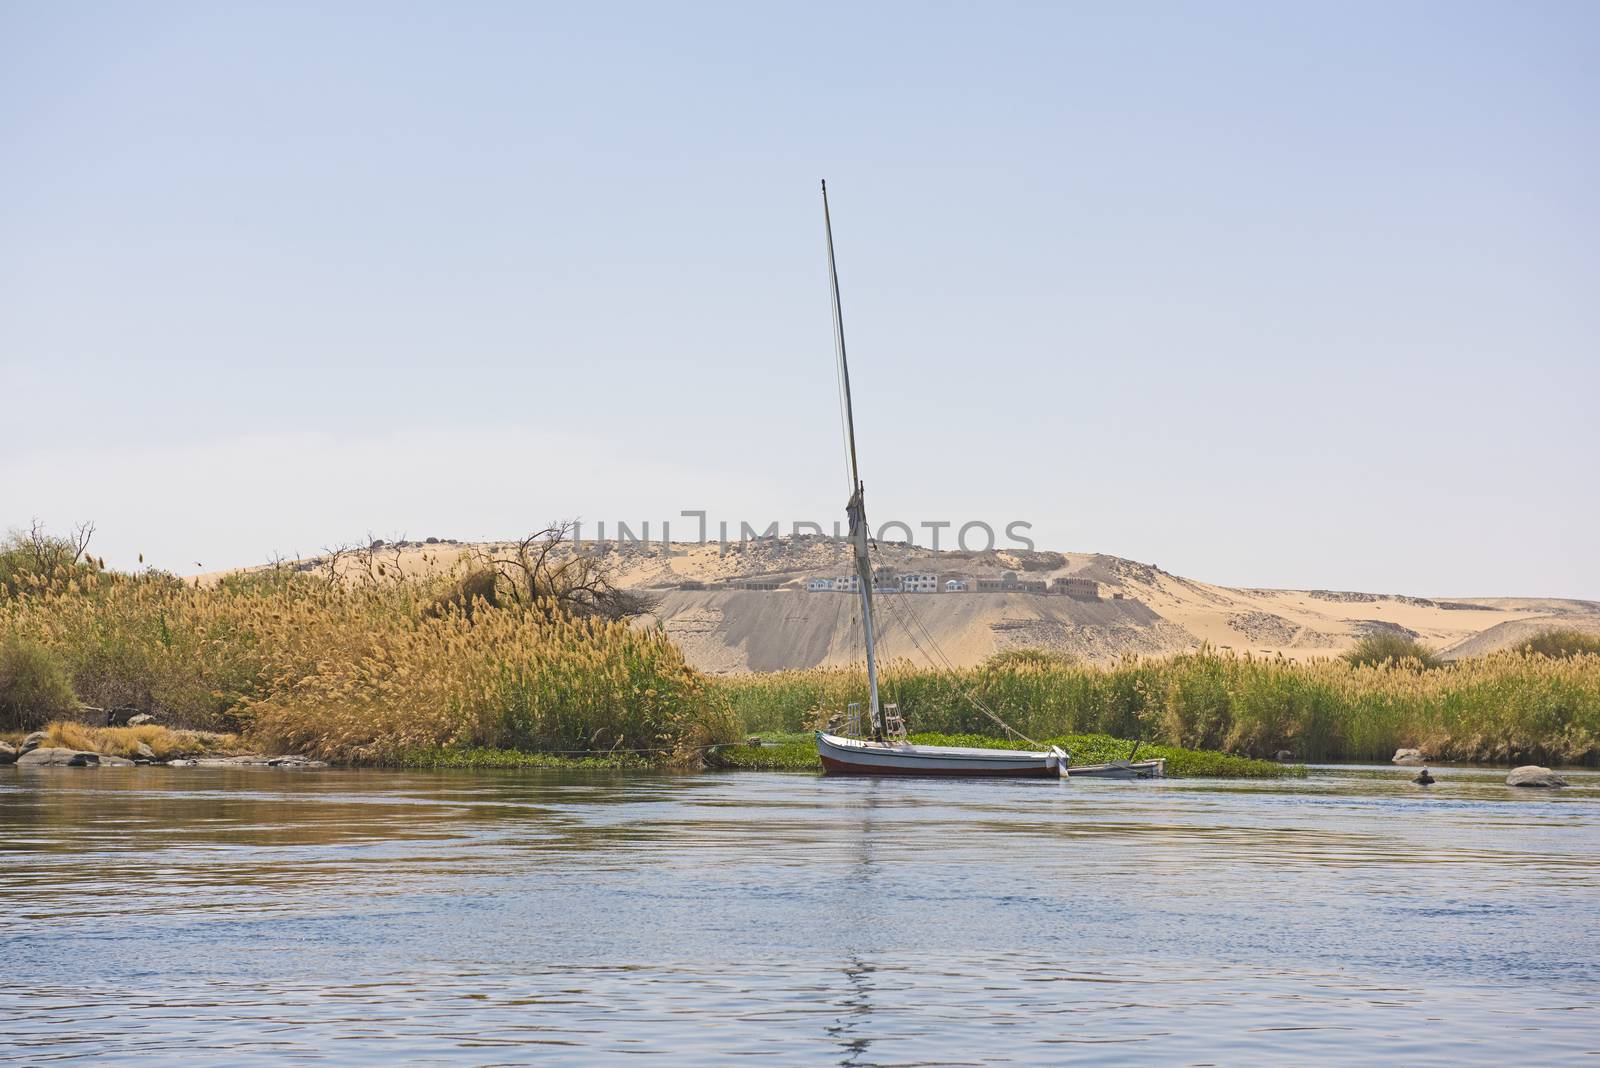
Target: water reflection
<point>237,915</point>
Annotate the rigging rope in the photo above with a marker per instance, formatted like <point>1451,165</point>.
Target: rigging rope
<point>947,664</point>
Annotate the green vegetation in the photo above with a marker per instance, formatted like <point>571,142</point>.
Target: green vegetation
<point>1503,707</point>
<point>798,752</point>
<point>528,653</point>
<point>34,687</point>
<point>1560,644</point>
<point>1387,649</point>
<point>366,667</point>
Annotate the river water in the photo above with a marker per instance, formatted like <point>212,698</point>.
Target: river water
<point>252,915</point>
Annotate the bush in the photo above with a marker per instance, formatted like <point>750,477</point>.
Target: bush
<point>1561,643</point>
<point>1385,648</point>
<point>1028,656</point>
<point>33,686</point>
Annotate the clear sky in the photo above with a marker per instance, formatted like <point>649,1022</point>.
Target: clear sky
<point>1265,294</point>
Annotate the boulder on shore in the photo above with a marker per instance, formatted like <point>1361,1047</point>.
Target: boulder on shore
<point>32,742</point>
<point>51,757</point>
<point>1534,775</point>
<point>1409,757</point>
<point>8,753</point>
<point>121,716</point>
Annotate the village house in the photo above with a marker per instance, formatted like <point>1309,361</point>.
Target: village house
<point>1009,583</point>
<point>1080,588</point>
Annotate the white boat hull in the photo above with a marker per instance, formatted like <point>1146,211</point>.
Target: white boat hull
<point>1120,769</point>
<point>854,756</point>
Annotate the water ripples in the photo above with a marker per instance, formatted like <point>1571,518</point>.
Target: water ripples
<point>236,916</point>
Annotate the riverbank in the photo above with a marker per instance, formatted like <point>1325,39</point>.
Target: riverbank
<point>151,744</point>
<point>443,671</point>
<point>1507,708</point>
<point>798,752</point>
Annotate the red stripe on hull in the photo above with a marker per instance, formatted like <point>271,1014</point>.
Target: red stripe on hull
<point>830,766</point>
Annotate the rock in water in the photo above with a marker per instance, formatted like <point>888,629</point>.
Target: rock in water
<point>32,742</point>
<point>50,757</point>
<point>8,753</point>
<point>1534,775</point>
<point>1409,757</point>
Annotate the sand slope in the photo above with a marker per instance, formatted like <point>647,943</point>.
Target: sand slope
<point>1141,608</point>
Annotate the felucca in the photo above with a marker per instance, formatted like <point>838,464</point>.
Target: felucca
<point>886,751</point>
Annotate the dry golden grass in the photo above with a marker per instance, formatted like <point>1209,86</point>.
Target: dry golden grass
<point>125,741</point>
<point>366,674</point>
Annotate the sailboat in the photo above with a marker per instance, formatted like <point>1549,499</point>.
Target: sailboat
<point>886,751</point>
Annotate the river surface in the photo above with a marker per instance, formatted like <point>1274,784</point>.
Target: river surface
<point>253,915</point>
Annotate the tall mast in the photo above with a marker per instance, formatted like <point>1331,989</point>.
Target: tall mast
<point>855,508</point>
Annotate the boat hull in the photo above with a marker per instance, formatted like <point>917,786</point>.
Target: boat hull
<point>1120,769</point>
<point>851,756</point>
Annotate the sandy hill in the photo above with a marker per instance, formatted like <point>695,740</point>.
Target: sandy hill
<point>1136,608</point>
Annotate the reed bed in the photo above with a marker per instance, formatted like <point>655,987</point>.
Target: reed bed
<point>1506,707</point>
<point>368,674</point>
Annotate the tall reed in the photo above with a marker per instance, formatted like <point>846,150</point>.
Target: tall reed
<point>369,673</point>
<point>1503,707</point>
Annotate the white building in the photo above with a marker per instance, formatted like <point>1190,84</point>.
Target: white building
<point>954,586</point>
<point>819,585</point>
<point>919,583</point>
<point>847,584</point>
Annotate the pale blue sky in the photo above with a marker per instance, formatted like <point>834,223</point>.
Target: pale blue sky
<point>1267,294</point>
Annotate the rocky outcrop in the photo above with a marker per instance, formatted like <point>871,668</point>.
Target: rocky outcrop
<point>32,742</point>
<point>8,753</point>
<point>249,760</point>
<point>51,757</point>
<point>140,720</point>
<point>1534,775</point>
<point>122,715</point>
<point>1411,758</point>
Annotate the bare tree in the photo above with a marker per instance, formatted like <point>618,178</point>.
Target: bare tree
<point>547,568</point>
<point>50,553</point>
